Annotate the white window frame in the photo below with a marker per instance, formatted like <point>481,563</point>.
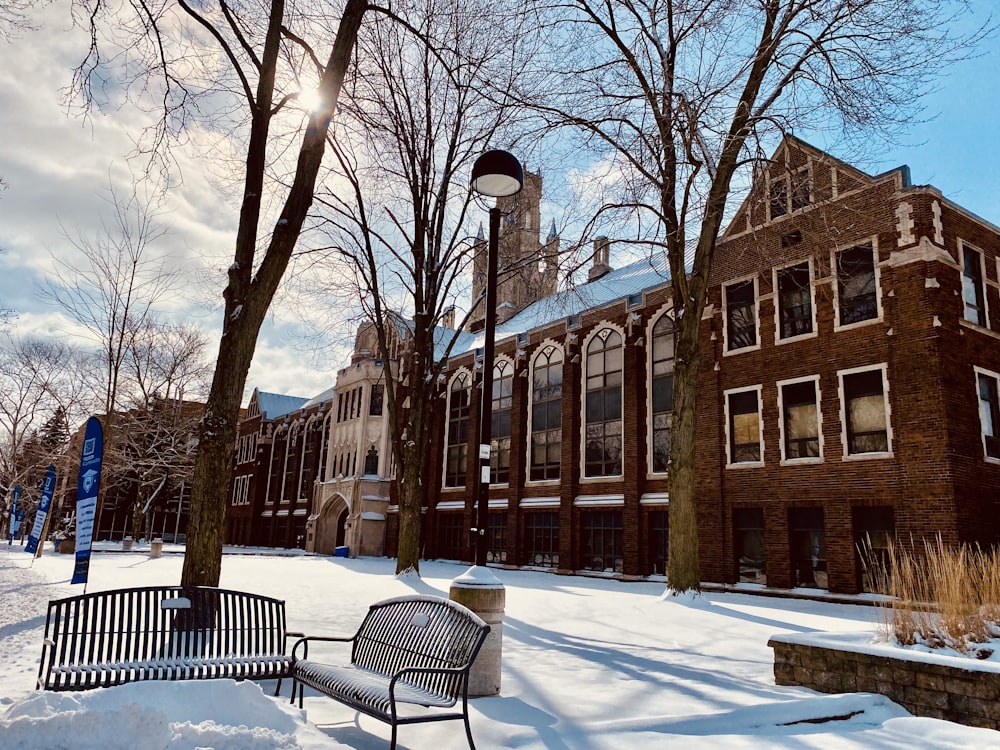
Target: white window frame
<point>471,462</point>
<point>778,339</point>
<point>668,311</point>
<point>837,325</point>
<point>542,347</point>
<point>786,176</point>
<point>883,367</point>
<point>962,244</point>
<point>584,374</point>
<point>785,460</point>
<point>500,363</point>
<point>977,372</point>
<point>756,389</point>
<point>726,351</point>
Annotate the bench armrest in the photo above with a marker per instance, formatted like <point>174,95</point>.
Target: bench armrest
<point>423,670</point>
<point>304,642</point>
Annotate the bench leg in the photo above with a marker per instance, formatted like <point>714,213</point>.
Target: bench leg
<point>392,744</point>
<point>468,729</point>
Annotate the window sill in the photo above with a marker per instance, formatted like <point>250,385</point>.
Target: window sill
<point>746,465</point>
<point>860,324</point>
<point>794,339</point>
<point>741,350</point>
<point>812,461</point>
<point>868,456</point>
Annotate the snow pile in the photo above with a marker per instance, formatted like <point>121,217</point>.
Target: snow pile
<point>219,714</point>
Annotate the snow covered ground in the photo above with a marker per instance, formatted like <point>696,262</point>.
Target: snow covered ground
<point>588,664</point>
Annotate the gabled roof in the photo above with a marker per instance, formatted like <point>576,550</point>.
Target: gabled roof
<point>758,189</point>
<point>274,405</point>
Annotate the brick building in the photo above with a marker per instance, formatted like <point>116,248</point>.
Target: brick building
<point>848,393</point>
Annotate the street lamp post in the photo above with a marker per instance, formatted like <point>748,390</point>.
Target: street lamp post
<point>495,174</point>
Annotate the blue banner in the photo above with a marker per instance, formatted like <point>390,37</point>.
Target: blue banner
<point>43,510</point>
<point>87,485</point>
<point>15,519</point>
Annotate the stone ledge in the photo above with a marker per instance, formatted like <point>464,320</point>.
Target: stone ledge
<point>961,694</point>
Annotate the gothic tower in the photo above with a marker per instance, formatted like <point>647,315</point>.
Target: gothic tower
<point>526,266</point>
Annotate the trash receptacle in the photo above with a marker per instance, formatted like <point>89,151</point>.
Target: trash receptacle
<point>127,544</point>
<point>340,551</point>
<point>156,548</point>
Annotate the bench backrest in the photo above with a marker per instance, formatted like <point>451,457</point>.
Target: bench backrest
<point>420,631</point>
<point>154,624</point>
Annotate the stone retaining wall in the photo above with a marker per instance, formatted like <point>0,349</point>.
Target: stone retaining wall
<point>923,687</point>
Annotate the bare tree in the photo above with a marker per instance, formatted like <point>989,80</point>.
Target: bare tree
<point>418,114</point>
<point>232,66</point>
<point>39,390</point>
<point>112,290</point>
<point>677,97</point>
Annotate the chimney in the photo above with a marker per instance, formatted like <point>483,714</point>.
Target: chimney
<point>602,253</point>
<point>448,318</point>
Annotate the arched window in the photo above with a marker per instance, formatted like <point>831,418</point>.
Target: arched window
<point>503,383</point>
<point>458,431</point>
<point>662,390</point>
<point>603,413</point>
<point>546,414</point>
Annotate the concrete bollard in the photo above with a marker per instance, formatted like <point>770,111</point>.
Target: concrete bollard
<point>483,593</point>
<point>156,548</point>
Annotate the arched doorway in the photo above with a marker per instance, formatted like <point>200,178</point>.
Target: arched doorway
<point>331,529</point>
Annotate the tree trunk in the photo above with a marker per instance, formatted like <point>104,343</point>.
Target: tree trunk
<point>683,572</point>
<point>247,301</point>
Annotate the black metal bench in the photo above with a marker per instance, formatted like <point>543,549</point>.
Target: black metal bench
<point>411,650</point>
<point>109,638</point>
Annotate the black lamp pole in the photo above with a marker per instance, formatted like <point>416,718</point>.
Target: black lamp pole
<point>495,174</point>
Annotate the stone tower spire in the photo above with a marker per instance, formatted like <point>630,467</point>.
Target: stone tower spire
<point>527,268</point>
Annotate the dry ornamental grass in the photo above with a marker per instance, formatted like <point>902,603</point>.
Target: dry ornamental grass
<point>940,596</point>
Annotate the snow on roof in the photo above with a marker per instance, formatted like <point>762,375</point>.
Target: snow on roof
<point>323,397</point>
<point>274,405</point>
<point>644,274</point>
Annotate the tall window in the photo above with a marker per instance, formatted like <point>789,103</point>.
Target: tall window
<point>989,413</point>
<point>601,540</point>
<point>973,289</point>
<point>865,412</point>
<point>375,400</point>
<point>748,544</point>
<point>452,536</point>
<point>874,529</point>
<point>503,383</point>
<point>541,539</point>
<point>546,414</point>
<point>857,291</point>
<point>662,385</point>
<point>743,408</point>
<point>458,430</point>
<point>659,541</point>
<point>808,547</point>
<point>794,301</point>
<point>800,420</point>
<point>741,315</point>
<point>291,484</point>
<point>371,462</point>
<point>603,451</point>
<point>496,538</point>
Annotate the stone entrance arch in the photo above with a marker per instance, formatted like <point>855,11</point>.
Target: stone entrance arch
<point>331,531</point>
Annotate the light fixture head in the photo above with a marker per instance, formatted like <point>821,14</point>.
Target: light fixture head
<point>497,174</point>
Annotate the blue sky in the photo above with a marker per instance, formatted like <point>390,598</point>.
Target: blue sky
<point>58,169</point>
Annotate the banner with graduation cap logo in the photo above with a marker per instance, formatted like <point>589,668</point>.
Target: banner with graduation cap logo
<point>87,485</point>
<point>43,510</point>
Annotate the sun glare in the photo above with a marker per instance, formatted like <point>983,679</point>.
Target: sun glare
<point>309,99</point>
